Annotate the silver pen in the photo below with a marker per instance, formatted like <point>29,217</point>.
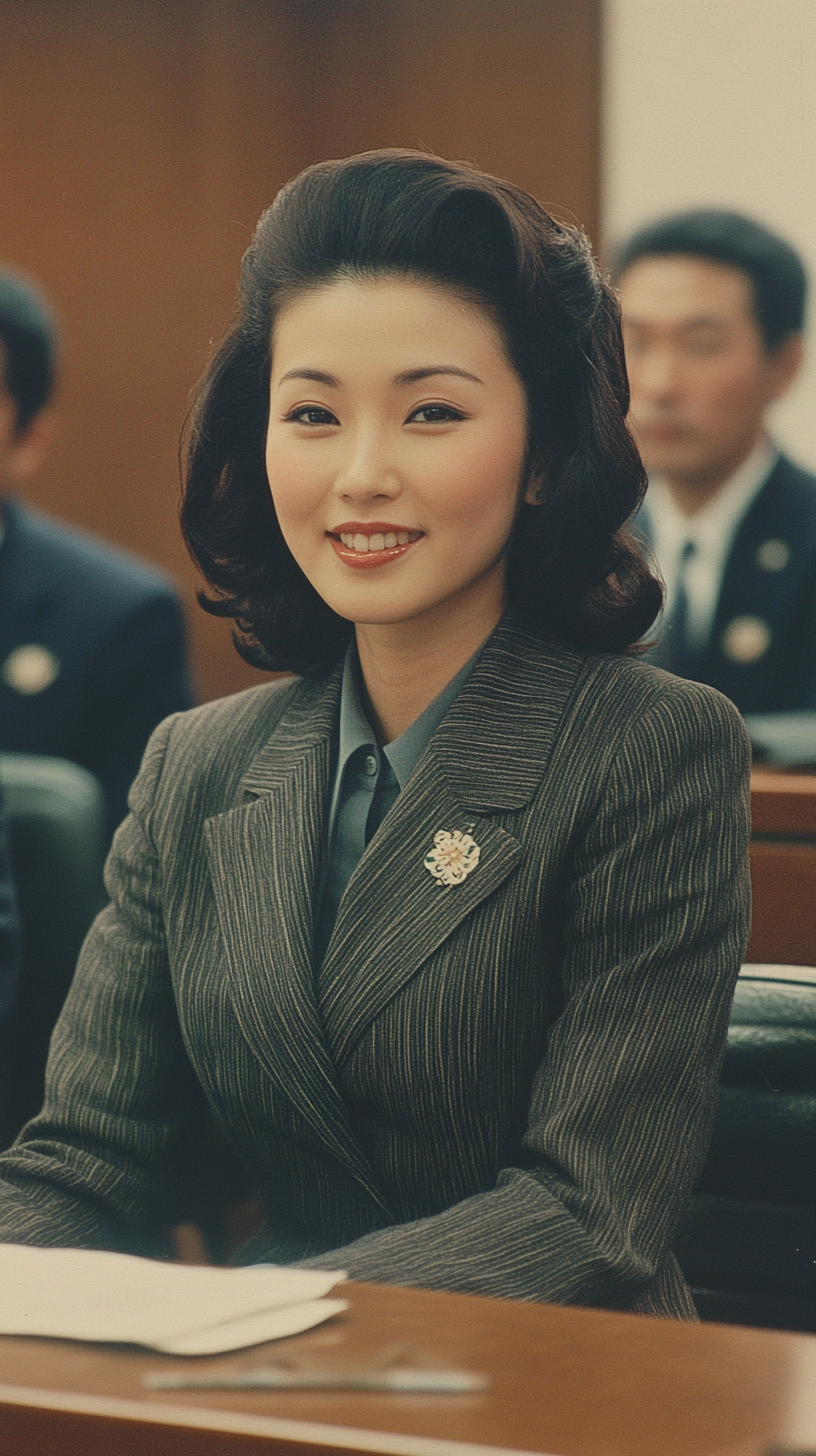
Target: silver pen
<point>271,1377</point>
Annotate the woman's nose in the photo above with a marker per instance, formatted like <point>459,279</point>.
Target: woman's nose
<point>367,473</point>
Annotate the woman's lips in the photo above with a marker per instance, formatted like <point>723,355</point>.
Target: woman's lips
<point>366,545</point>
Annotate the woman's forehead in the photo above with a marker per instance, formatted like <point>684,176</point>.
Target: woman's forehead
<point>383,315</point>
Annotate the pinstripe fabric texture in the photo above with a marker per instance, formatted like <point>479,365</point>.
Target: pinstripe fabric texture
<point>504,1086</point>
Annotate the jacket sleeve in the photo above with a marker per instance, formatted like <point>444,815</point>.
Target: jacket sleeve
<point>120,1094</point>
<point>655,924</point>
<point>142,678</point>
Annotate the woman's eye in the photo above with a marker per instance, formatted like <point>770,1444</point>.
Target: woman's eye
<point>312,414</point>
<point>434,414</point>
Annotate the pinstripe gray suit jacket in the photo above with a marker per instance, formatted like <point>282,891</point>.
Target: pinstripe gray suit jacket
<point>503,1086</point>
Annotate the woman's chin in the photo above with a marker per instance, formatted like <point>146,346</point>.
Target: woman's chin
<point>380,604</point>
<point>380,614</point>
<point>388,607</point>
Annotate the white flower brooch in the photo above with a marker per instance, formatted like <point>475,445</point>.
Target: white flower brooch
<point>452,857</point>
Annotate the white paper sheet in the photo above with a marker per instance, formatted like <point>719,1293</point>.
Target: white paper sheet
<point>273,1324</point>
<point>79,1294</point>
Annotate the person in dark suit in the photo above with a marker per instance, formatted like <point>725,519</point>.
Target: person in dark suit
<point>444,930</point>
<point>9,956</point>
<point>92,640</point>
<point>713,309</point>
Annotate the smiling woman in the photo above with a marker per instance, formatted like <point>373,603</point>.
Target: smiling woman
<point>444,930</point>
<point>447,256</point>
<point>441,447</point>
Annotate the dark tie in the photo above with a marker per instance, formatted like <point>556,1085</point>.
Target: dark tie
<point>671,650</point>
<point>678,622</point>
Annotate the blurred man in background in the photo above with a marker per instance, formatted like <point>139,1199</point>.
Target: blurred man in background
<point>713,311</point>
<point>92,640</point>
<point>9,962</point>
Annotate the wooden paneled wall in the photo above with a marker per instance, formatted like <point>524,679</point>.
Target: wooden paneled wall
<point>139,141</point>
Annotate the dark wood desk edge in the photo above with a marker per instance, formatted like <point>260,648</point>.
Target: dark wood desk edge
<point>784,804</point>
<point>283,1432</point>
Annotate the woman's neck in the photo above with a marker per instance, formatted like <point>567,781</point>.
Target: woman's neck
<point>405,665</point>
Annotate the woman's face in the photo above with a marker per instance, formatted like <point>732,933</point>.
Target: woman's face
<point>396,449</point>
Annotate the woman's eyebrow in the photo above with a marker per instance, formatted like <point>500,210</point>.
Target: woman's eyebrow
<point>316,374</point>
<point>414,376</point>
<point>410,376</point>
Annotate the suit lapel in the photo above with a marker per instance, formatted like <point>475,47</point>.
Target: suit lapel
<point>487,758</point>
<point>264,857</point>
<point>745,586</point>
<point>394,914</point>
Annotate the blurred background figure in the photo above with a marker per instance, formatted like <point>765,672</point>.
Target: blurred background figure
<point>9,961</point>
<point>713,307</point>
<point>9,928</point>
<point>92,639</point>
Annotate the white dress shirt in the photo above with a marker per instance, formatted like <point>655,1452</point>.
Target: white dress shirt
<point>712,530</point>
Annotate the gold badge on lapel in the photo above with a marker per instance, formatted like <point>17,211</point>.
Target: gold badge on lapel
<point>746,639</point>
<point>452,857</point>
<point>30,669</point>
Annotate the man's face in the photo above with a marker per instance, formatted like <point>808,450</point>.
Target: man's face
<point>700,374</point>
<point>22,452</point>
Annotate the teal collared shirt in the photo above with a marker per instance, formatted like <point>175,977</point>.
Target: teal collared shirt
<point>367,780</point>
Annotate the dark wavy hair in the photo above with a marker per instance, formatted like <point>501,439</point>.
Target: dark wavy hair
<point>573,570</point>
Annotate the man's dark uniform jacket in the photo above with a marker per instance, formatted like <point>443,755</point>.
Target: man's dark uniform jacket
<point>92,650</point>
<point>9,952</point>
<point>761,652</point>
<point>9,928</point>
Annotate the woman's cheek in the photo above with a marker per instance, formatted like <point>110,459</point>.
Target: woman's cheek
<point>292,487</point>
<point>483,487</point>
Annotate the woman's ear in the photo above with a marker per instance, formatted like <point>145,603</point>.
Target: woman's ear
<point>536,485</point>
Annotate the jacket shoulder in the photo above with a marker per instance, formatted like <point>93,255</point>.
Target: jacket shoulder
<point>790,493</point>
<point>531,696</point>
<point>636,737</point>
<point>631,686</point>
<point>795,477</point>
<point>66,558</point>
<point>622,700</point>
<point>198,758</point>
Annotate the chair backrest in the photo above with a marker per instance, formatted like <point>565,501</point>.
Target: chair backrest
<point>748,1242</point>
<point>57,829</point>
<point>783,868</point>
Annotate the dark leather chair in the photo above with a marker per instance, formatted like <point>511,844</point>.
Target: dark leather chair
<point>748,1242</point>
<point>57,831</point>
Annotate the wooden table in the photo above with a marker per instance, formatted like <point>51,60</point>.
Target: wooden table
<point>563,1381</point>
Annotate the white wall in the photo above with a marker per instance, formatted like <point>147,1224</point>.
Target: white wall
<point>713,102</point>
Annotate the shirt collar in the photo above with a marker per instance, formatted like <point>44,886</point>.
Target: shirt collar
<point>355,729</point>
<point>403,753</point>
<point>711,529</point>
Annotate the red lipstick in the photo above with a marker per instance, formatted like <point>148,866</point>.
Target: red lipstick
<point>364,545</point>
